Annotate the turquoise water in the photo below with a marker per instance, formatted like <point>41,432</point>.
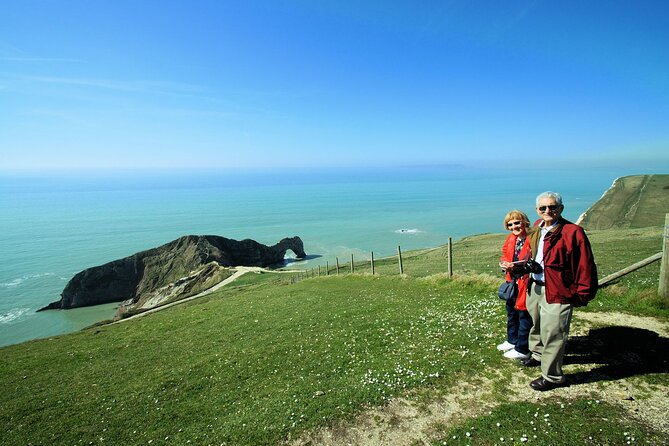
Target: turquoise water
<point>52,227</point>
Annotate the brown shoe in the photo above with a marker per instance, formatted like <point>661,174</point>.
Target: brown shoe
<point>530,362</point>
<point>541,384</point>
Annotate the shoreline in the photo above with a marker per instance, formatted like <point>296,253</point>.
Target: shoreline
<point>90,222</point>
<point>585,213</point>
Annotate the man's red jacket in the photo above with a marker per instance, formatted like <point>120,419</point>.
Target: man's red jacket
<point>570,272</point>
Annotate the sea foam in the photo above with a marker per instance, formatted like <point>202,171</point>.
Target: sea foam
<point>408,231</point>
<point>13,314</point>
<point>16,282</point>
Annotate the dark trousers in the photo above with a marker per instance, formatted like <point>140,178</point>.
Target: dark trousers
<point>518,325</point>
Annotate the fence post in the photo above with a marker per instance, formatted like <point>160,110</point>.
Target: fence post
<point>399,256</point>
<point>327,268</point>
<point>319,271</point>
<point>372,263</point>
<point>352,268</point>
<point>450,258</point>
<point>663,288</point>
<point>337,259</point>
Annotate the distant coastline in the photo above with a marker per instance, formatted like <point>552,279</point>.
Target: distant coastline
<point>585,213</point>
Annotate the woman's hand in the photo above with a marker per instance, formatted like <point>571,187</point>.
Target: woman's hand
<point>506,265</point>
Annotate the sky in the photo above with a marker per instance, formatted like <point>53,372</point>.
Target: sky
<point>164,84</point>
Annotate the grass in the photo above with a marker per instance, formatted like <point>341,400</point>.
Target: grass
<point>558,422</point>
<point>246,367</point>
<point>263,360</point>
<point>634,202</point>
<point>614,250</point>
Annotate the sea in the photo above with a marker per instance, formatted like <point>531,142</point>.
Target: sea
<point>55,224</point>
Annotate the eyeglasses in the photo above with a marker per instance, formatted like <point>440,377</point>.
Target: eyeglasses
<point>551,207</point>
<point>514,223</point>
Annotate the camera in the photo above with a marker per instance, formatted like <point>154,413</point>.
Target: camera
<point>526,267</point>
<point>533,267</point>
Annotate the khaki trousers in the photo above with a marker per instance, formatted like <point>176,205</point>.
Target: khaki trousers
<point>549,332</point>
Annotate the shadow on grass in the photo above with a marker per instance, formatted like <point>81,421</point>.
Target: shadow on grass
<point>620,352</point>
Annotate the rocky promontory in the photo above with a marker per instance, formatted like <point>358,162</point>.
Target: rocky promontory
<point>139,275</point>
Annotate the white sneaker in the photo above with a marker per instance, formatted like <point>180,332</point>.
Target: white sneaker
<point>515,354</point>
<point>505,346</point>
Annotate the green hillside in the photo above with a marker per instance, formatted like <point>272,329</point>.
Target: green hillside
<point>265,361</point>
<point>632,202</point>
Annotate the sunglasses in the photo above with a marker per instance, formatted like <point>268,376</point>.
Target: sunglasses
<point>551,207</point>
<point>514,223</point>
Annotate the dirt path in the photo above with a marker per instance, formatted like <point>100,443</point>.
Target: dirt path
<point>403,421</point>
<point>239,271</point>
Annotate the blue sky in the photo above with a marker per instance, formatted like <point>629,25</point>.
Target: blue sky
<point>241,84</point>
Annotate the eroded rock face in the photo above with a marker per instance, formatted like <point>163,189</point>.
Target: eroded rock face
<point>142,273</point>
<point>204,278</point>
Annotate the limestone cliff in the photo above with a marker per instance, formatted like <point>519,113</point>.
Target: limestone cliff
<point>637,201</point>
<point>140,275</point>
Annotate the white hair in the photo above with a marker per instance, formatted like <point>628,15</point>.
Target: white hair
<point>548,194</point>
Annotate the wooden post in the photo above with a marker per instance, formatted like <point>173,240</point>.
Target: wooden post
<point>663,288</point>
<point>630,269</point>
<point>450,258</point>
<point>337,259</point>
<point>319,271</point>
<point>352,268</point>
<point>399,256</point>
<point>372,263</point>
<point>327,268</point>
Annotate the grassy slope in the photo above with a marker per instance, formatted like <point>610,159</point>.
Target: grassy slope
<point>264,360</point>
<point>633,202</point>
<point>244,367</point>
<point>614,250</point>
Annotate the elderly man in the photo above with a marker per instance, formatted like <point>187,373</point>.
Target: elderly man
<point>568,280</point>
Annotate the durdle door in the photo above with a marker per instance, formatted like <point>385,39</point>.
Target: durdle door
<point>144,272</point>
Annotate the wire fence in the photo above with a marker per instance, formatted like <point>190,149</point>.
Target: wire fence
<point>352,266</point>
<point>370,266</point>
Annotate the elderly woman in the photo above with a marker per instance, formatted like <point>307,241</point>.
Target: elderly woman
<point>515,252</point>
